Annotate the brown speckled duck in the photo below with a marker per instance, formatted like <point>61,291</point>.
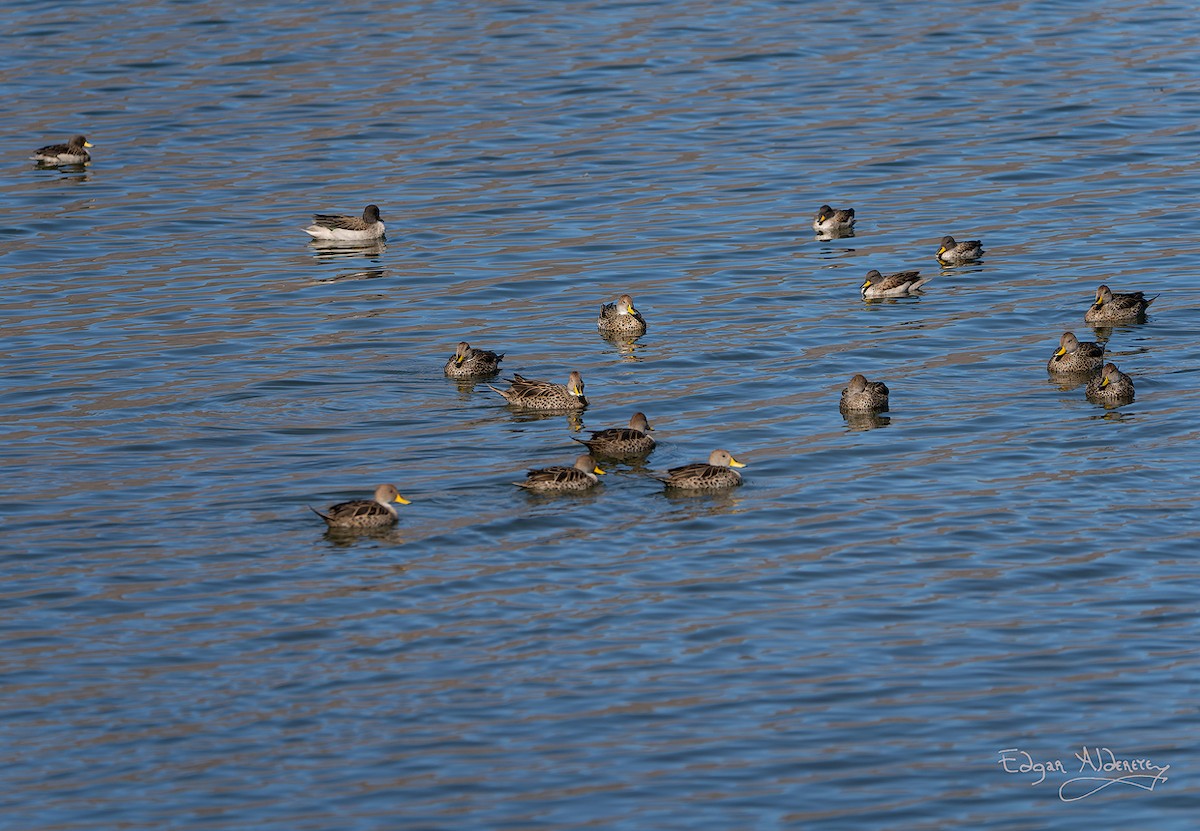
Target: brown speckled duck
<point>621,443</point>
<point>621,318</point>
<point>348,228</point>
<point>714,475</point>
<point>1111,307</point>
<point>73,152</point>
<point>545,395</point>
<point>864,396</point>
<point>833,222</point>
<point>1074,356</point>
<point>957,253</point>
<point>469,362</point>
<point>364,513</point>
<point>900,284</point>
<point>1112,388</point>
<point>562,479</point>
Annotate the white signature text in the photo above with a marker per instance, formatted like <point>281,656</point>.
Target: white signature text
<point>1104,767</point>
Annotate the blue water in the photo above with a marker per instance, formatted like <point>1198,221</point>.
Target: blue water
<point>850,640</point>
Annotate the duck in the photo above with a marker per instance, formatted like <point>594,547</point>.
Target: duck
<point>715,474</point>
<point>620,443</point>
<point>621,318</point>
<point>900,284</point>
<point>957,253</point>
<point>1111,307</point>
<point>468,362</point>
<point>829,221</point>
<point>1112,387</point>
<point>364,513</point>
<point>73,152</point>
<point>561,479</point>
<point>864,396</point>
<point>545,395</point>
<point>1075,356</point>
<point>347,228</point>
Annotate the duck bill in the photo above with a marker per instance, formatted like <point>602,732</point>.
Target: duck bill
<point>736,463</point>
<point>596,470</point>
<point>88,144</point>
<point>402,500</point>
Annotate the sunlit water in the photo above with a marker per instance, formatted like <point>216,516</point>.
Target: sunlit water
<point>847,641</point>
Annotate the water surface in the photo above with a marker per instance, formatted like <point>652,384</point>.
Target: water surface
<point>847,641</point>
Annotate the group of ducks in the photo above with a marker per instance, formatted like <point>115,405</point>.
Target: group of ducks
<point>630,444</point>
<point>1074,359</point>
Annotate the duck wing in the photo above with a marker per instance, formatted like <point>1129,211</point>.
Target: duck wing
<point>344,223</point>
<point>554,477</point>
<point>900,278</point>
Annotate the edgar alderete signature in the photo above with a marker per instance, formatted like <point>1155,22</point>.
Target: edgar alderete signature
<point>1110,770</point>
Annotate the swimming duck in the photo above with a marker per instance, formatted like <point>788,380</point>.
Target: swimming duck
<point>829,221</point>
<point>364,513</point>
<point>468,362</point>
<point>619,443</point>
<point>957,253</point>
<point>715,474</point>
<point>545,395</point>
<point>864,396</point>
<point>1112,388</point>
<point>73,152</point>
<point>621,318</point>
<point>900,284</point>
<point>347,228</point>
<point>562,479</point>
<point>1118,308</point>
<point>1075,356</point>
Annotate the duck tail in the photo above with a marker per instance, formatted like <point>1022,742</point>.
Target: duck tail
<point>321,515</point>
